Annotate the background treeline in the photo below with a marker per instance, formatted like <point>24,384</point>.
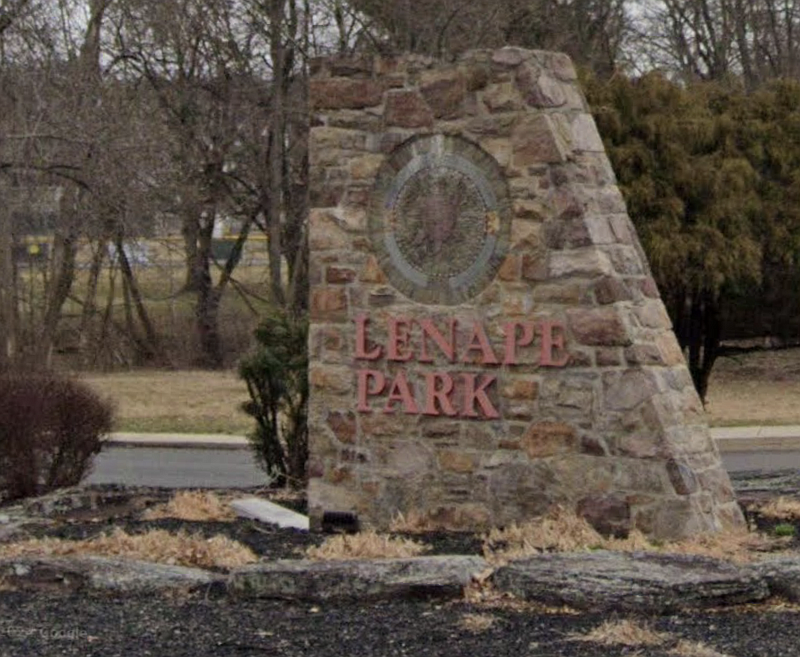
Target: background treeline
<point>157,118</point>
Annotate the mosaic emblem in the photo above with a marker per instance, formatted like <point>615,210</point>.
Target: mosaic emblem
<point>439,219</point>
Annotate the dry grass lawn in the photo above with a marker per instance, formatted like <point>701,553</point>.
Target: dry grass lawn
<point>757,388</point>
<point>182,402</point>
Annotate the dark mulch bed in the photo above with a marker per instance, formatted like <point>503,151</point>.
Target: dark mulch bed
<point>133,626</point>
<point>267,541</point>
<point>94,625</point>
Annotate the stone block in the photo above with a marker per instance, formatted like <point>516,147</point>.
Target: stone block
<point>444,93</point>
<point>343,425</point>
<point>598,326</point>
<point>548,439</point>
<point>407,109</point>
<point>609,514</point>
<point>502,97</point>
<point>344,93</point>
<point>584,134</point>
<point>536,141</point>
<point>328,304</point>
<point>539,88</point>
<point>626,391</point>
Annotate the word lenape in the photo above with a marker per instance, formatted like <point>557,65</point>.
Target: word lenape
<point>420,342</point>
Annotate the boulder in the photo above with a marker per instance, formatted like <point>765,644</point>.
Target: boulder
<point>100,573</point>
<point>363,579</point>
<point>782,576</point>
<point>636,581</point>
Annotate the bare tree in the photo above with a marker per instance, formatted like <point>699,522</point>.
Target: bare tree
<point>748,40</point>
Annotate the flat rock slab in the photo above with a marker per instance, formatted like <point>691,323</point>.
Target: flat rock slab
<point>782,576</point>
<point>101,573</point>
<point>264,511</point>
<point>638,581</point>
<point>363,579</point>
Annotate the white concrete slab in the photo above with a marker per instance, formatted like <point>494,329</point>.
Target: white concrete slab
<point>264,511</point>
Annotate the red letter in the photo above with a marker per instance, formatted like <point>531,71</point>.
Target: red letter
<point>429,330</point>
<point>365,390</point>
<point>550,342</point>
<point>480,342</point>
<point>398,338</point>
<point>432,394</point>
<point>511,340</point>
<point>361,340</point>
<point>400,391</point>
<point>473,394</point>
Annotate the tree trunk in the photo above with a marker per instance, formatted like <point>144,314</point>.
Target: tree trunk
<point>88,330</point>
<point>276,150</point>
<point>8,311</point>
<point>151,343</point>
<point>207,304</point>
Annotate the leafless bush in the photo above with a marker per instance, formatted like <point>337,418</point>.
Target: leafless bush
<point>50,430</point>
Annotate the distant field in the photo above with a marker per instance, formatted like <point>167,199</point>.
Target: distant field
<point>181,402</point>
<point>756,388</point>
<point>759,388</point>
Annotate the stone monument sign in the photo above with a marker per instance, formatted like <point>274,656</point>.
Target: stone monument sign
<point>486,338</point>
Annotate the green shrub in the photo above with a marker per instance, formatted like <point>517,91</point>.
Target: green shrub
<point>784,529</point>
<point>51,428</point>
<point>277,381</point>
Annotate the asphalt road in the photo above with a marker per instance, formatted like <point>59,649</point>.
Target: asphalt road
<point>769,461</point>
<point>228,468</point>
<point>176,468</point>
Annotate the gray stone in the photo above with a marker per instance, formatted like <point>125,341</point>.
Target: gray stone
<point>101,573</point>
<point>782,576</point>
<point>4,519</point>
<point>365,579</point>
<point>638,581</point>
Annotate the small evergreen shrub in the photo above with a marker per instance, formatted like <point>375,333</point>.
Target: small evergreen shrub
<point>51,428</point>
<point>276,375</point>
<point>784,529</point>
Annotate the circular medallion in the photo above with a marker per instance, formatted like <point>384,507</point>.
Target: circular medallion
<point>439,219</point>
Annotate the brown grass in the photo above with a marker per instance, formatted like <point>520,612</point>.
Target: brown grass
<point>175,401</point>
<point>564,531</point>
<point>365,545</point>
<point>158,546</point>
<point>482,593</point>
<point>558,531</point>
<point>781,508</point>
<point>622,633</point>
<point>193,505</point>
<point>412,522</point>
<point>755,388</point>
<point>694,649</point>
<point>477,623</point>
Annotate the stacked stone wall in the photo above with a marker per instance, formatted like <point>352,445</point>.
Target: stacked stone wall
<point>596,412</point>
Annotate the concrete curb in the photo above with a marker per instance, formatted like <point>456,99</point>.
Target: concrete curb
<point>729,439</point>
<point>178,441</point>
<point>757,438</point>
